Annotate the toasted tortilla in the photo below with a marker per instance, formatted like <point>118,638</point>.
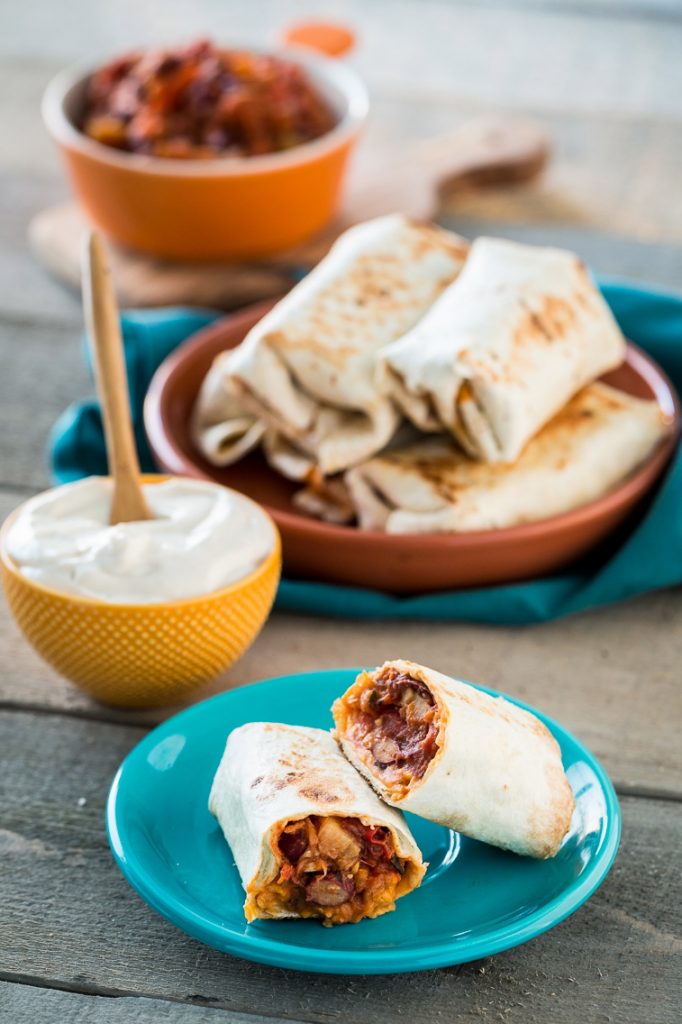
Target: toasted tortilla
<point>307,370</point>
<point>518,333</point>
<point>431,486</point>
<point>221,426</point>
<point>271,775</point>
<point>496,774</point>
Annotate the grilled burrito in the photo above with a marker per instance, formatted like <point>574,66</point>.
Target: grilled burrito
<point>307,370</point>
<point>309,836</point>
<point>431,486</point>
<point>452,754</point>
<point>519,332</point>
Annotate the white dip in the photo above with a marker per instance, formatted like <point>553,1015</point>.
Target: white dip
<point>203,538</point>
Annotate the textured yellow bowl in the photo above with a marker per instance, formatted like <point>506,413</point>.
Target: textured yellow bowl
<point>141,655</point>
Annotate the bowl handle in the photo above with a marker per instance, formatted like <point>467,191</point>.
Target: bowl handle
<point>326,37</point>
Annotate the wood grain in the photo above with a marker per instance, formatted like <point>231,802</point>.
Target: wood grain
<point>606,79</point>
<point>42,373</point>
<point>500,151</point>
<point>28,1004</point>
<point>605,675</point>
<point>67,916</point>
<point>560,55</point>
<point>580,188</point>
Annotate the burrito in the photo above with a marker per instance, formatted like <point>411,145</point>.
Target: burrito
<point>431,486</point>
<point>454,755</point>
<point>307,370</point>
<point>519,332</point>
<point>223,430</point>
<point>308,835</point>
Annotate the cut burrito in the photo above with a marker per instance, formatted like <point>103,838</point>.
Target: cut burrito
<point>308,369</point>
<point>430,486</point>
<point>454,755</point>
<point>308,835</point>
<point>520,331</point>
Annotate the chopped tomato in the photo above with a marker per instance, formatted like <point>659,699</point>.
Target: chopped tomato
<point>200,102</point>
<point>378,836</point>
<point>286,873</point>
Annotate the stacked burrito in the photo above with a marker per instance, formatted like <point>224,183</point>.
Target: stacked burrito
<point>416,383</point>
<point>304,380</point>
<point>315,822</point>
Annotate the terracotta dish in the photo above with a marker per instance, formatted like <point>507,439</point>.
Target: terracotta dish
<point>408,563</point>
<point>221,209</point>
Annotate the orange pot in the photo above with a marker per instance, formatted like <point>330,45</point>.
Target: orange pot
<point>224,209</point>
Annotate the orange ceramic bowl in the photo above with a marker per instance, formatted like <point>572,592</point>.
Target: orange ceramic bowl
<point>225,209</point>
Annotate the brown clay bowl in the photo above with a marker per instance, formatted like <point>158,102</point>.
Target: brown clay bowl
<point>406,563</point>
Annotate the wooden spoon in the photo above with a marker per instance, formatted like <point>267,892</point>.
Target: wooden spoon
<point>101,315</point>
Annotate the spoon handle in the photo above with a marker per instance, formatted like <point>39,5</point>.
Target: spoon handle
<point>101,313</point>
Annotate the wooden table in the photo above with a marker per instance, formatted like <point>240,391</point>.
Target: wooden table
<point>606,79</point>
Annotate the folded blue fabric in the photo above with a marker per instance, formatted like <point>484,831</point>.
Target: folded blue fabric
<point>649,558</point>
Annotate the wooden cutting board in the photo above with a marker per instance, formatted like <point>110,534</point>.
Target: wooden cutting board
<point>480,153</point>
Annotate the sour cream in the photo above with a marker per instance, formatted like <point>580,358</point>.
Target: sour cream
<point>203,538</point>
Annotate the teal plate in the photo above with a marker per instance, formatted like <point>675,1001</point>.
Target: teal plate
<point>475,900</point>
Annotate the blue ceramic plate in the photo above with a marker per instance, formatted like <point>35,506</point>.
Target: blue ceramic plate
<point>475,900</point>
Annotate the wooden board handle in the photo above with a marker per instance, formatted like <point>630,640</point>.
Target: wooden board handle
<point>486,151</point>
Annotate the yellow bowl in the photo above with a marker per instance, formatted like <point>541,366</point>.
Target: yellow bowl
<point>141,655</point>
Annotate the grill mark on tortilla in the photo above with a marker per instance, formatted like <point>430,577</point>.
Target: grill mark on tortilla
<point>452,474</point>
<point>581,298</point>
<point>435,473</point>
<point>377,284</point>
<point>319,794</point>
<point>551,320</point>
<point>454,246</point>
<point>292,772</point>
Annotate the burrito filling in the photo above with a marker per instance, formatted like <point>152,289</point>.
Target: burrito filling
<point>393,722</point>
<point>335,868</point>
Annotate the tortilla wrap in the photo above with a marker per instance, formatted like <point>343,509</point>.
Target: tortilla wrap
<point>452,754</point>
<point>519,332</point>
<point>308,369</point>
<point>272,776</point>
<point>221,427</point>
<point>430,486</point>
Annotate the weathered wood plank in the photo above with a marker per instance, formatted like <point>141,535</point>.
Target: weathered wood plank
<point>607,255</point>
<point>604,675</point>
<point>67,916</point>
<point>559,56</point>
<point>580,188</point>
<point>27,292</point>
<point>42,372</point>
<point>596,674</point>
<point>29,1004</point>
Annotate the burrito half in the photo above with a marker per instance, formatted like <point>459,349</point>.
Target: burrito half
<point>308,369</point>
<point>308,835</point>
<point>446,751</point>
<point>430,486</point>
<point>519,332</point>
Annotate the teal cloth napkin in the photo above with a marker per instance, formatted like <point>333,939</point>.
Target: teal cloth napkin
<point>648,558</point>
